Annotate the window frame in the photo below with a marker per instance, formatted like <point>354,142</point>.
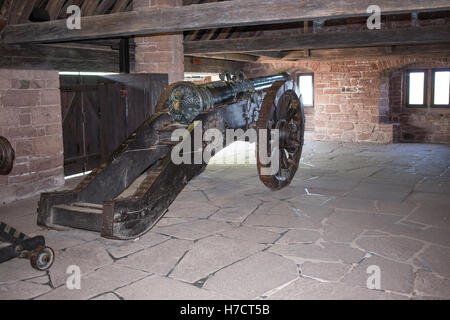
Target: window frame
<point>433,73</point>
<point>313,89</point>
<point>425,88</point>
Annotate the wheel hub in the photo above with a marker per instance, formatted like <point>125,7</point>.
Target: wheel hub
<point>290,135</point>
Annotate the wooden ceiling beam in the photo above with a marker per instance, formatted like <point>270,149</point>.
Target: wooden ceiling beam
<point>231,57</point>
<point>366,52</point>
<point>207,16</point>
<point>59,57</point>
<point>323,40</point>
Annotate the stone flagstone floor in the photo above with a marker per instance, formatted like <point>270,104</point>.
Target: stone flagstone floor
<point>226,236</point>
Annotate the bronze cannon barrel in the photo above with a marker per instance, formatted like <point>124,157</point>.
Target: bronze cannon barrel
<point>187,100</point>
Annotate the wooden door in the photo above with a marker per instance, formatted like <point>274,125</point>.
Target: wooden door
<point>99,113</point>
<point>80,114</point>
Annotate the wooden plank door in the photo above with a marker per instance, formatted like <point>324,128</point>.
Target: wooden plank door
<point>113,124</point>
<point>72,122</point>
<point>100,112</point>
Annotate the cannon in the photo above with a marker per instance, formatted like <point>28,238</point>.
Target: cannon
<point>127,195</point>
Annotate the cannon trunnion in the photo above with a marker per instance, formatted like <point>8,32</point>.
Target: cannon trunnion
<point>128,194</point>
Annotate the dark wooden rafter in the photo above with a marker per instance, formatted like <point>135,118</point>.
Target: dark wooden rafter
<point>88,8</point>
<point>5,9</point>
<point>130,6</point>
<point>27,11</point>
<point>209,34</point>
<point>15,12</point>
<point>104,6</point>
<point>207,16</point>
<point>120,6</point>
<point>3,23</point>
<point>20,11</point>
<point>224,33</point>
<point>191,36</point>
<point>54,8</point>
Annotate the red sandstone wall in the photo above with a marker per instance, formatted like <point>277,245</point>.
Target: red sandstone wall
<point>352,98</point>
<point>30,118</point>
<point>160,54</point>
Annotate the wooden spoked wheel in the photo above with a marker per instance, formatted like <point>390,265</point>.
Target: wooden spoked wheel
<point>281,110</point>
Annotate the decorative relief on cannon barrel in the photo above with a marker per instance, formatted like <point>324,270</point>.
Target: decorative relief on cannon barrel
<point>6,156</point>
<point>185,102</point>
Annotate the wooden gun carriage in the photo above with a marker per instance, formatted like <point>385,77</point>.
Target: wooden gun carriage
<point>126,196</point>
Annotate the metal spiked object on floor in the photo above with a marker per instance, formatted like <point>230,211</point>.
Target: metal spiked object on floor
<point>15,244</point>
<point>128,194</point>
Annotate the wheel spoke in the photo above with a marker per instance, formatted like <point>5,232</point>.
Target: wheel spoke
<point>284,161</point>
<point>284,105</point>
<point>291,114</point>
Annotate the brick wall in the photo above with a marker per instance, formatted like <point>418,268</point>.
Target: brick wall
<point>160,54</point>
<point>352,97</point>
<point>30,118</point>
